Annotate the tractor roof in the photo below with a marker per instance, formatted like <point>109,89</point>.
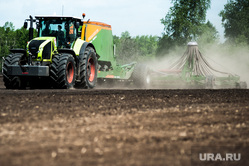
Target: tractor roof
<point>66,17</point>
<point>76,18</point>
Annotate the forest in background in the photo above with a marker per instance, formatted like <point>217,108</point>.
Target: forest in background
<point>185,21</point>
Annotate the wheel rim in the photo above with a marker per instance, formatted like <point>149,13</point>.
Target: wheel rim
<point>91,69</point>
<point>70,72</point>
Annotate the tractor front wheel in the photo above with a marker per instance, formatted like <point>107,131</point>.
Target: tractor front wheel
<point>13,82</point>
<point>62,71</point>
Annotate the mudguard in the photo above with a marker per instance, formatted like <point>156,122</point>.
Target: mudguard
<point>80,47</point>
<point>18,50</point>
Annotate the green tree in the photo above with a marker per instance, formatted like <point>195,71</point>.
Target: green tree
<point>126,49</point>
<point>165,45</point>
<point>147,44</point>
<point>7,39</point>
<point>235,20</point>
<point>184,18</point>
<point>185,21</point>
<point>22,35</point>
<point>11,38</point>
<point>209,34</point>
<point>139,48</point>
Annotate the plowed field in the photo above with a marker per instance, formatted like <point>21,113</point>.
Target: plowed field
<point>118,127</point>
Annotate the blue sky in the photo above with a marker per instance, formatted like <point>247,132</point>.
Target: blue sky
<point>139,17</point>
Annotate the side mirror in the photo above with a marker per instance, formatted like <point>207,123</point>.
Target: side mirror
<point>25,25</point>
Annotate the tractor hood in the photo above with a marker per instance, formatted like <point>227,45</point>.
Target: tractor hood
<point>41,48</point>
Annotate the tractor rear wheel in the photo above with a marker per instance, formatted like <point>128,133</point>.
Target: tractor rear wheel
<point>62,71</point>
<point>13,82</point>
<point>88,69</point>
<point>141,76</point>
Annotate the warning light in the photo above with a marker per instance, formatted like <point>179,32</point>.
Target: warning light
<point>83,15</point>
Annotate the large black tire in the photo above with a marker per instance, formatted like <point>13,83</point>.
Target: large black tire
<point>62,71</point>
<point>141,76</point>
<point>88,69</point>
<point>13,82</point>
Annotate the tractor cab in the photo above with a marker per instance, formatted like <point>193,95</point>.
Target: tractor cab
<point>65,29</point>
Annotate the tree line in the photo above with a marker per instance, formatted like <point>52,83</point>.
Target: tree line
<point>185,21</point>
<point>139,48</point>
<point>11,38</point>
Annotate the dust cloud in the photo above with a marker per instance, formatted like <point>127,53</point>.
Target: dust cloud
<point>231,59</point>
<point>224,58</point>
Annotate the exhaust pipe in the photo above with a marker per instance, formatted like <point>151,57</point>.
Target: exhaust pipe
<point>31,29</point>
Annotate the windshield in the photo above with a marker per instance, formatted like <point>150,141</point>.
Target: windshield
<point>63,30</point>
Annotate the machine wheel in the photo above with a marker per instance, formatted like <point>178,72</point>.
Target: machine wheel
<point>242,85</point>
<point>88,69</point>
<point>210,82</point>
<point>141,76</point>
<point>62,71</point>
<point>13,82</point>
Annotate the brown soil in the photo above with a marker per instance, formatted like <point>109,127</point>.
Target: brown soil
<point>118,127</point>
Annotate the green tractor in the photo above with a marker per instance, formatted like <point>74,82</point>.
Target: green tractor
<point>67,53</point>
